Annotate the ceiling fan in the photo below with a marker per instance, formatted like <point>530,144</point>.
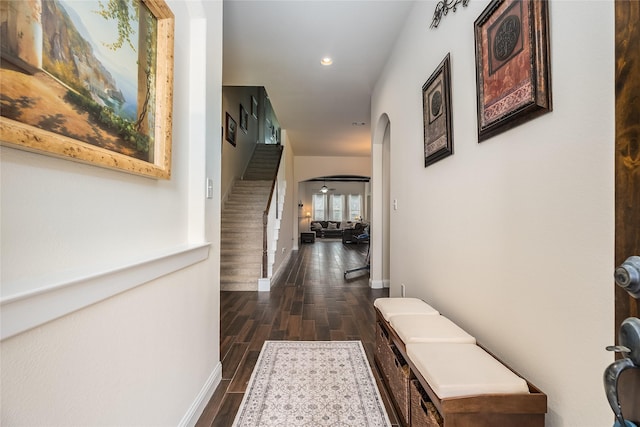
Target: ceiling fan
<point>324,189</point>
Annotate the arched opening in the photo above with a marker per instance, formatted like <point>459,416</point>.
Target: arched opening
<point>381,203</point>
<point>386,205</point>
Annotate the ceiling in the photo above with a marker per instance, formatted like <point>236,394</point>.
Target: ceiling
<point>279,45</point>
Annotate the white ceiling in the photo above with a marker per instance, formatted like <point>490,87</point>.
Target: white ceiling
<point>279,45</point>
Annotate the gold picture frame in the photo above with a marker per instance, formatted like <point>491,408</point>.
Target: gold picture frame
<point>48,109</point>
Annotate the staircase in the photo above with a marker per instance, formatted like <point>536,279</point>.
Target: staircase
<point>241,240</point>
<point>264,163</point>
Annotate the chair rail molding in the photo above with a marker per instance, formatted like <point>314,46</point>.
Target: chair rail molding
<point>51,298</point>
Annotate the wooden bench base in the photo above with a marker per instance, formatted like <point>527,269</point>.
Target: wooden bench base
<point>488,410</point>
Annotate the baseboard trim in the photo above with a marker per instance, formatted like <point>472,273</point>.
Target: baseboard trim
<point>376,284</point>
<point>264,284</point>
<point>202,399</point>
<point>280,270</point>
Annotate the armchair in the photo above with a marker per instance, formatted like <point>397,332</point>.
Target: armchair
<point>357,234</point>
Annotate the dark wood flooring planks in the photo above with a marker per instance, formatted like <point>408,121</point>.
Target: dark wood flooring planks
<point>311,301</point>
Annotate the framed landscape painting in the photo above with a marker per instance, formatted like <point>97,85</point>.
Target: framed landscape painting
<point>512,64</point>
<point>90,81</point>
<point>436,103</point>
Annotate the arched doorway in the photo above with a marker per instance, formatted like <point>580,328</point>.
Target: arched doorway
<point>381,204</point>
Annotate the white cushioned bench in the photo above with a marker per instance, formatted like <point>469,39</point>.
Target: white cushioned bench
<point>421,328</point>
<point>438,376</point>
<point>456,370</point>
<point>390,307</point>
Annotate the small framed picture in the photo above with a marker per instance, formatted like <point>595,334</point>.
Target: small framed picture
<point>436,104</point>
<point>244,119</point>
<point>512,64</point>
<point>254,107</point>
<point>231,129</point>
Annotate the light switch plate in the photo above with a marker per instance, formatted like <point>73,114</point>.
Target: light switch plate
<point>209,188</point>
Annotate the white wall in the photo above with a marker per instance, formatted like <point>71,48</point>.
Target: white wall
<point>150,354</point>
<point>512,238</point>
<point>307,167</point>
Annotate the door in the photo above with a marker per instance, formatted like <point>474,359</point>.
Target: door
<point>627,179</point>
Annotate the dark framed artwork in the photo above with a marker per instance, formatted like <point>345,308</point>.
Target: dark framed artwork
<point>436,107</point>
<point>512,64</point>
<point>244,119</point>
<point>231,129</point>
<point>112,105</point>
<point>254,107</point>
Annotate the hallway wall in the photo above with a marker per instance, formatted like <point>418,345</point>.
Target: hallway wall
<point>236,158</point>
<point>137,341</point>
<point>513,238</point>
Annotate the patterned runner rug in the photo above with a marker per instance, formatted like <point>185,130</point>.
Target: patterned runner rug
<point>312,383</point>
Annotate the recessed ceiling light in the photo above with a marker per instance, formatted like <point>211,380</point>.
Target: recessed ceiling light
<point>326,61</point>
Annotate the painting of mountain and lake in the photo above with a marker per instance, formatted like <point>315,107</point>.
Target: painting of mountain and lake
<point>84,71</point>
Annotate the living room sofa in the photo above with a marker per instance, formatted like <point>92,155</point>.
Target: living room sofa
<point>330,228</point>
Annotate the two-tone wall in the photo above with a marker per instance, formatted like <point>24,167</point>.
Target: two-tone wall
<point>110,281</point>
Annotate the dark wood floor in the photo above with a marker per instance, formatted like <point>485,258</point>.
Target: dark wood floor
<point>311,301</point>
